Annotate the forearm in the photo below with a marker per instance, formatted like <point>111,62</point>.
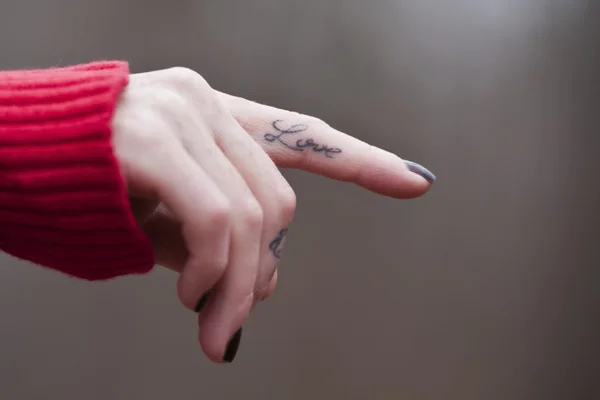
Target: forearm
<point>63,202</point>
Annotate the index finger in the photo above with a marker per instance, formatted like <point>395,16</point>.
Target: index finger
<point>293,140</point>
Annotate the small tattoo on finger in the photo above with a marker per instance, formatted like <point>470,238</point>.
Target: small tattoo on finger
<point>276,245</point>
<point>299,144</point>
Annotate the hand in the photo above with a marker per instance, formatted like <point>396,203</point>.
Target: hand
<point>201,170</point>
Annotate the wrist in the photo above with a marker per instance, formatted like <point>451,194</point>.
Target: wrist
<point>64,203</point>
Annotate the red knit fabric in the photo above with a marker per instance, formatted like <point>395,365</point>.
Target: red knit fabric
<point>63,201</point>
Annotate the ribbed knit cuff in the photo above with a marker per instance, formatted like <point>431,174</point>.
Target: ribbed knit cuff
<point>63,200</point>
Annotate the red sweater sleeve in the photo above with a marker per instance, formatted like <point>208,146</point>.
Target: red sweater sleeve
<point>63,201</point>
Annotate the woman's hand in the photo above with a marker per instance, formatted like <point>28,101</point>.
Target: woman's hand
<point>201,169</point>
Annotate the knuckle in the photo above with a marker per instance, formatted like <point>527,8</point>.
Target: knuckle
<point>195,230</point>
<point>196,96</point>
<point>251,214</point>
<point>218,263</point>
<point>287,202</point>
<point>213,267</point>
<point>169,99</point>
<point>172,108</point>
<point>183,76</point>
<point>219,215</point>
<point>208,104</point>
<point>189,82</point>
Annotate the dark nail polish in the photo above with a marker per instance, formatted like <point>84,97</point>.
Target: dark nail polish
<point>420,170</point>
<point>232,346</point>
<point>202,302</point>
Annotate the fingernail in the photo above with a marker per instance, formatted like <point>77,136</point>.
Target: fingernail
<point>232,346</point>
<point>420,170</point>
<point>202,302</point>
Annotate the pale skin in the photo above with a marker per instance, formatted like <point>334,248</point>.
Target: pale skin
<point>205,186</point>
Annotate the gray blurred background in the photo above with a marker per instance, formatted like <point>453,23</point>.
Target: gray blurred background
<point>487,288</point>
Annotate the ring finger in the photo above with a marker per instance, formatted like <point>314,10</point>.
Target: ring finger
<point>230,300</point>
<point>270,188</point>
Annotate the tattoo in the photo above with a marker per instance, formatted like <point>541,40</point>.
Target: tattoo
<point>276,245</point>
<point>300,144</point>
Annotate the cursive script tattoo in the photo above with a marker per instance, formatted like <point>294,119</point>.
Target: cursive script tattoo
<point>276,245</point>
<point>299,144</point>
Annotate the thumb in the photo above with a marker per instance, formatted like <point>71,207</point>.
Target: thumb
<point>299,141</point>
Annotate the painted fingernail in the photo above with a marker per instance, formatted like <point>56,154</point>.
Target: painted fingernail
<point>232,346</point>
<point>202,302</point>
<point>420,170</point>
